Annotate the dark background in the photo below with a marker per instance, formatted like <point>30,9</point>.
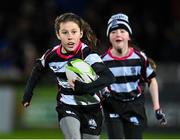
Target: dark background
<point>27,27</point>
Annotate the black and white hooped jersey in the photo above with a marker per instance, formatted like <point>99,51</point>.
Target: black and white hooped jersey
<point>57,61</point>
<point>128,71</point>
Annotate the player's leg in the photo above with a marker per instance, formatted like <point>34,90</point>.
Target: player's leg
<point>113,123</point>
<point>115,129</point>
<point>91,122</point>
<point>136,120</point>
<point>132,131</point>
<point>89,136</point>
<point>70,127</point>
<point>114,126</point>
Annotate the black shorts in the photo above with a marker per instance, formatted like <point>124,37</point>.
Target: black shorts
<point>90,116</point>
<point>128,111</point>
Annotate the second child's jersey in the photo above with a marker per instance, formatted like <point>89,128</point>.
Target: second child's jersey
<point>55,60</point>
<point>130,71</point>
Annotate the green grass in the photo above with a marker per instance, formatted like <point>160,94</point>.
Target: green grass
<point>56,134</point>
<point>161,135</point>
<point>33,134</point>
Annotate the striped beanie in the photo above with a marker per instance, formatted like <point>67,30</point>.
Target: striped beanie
<point>119,21</point>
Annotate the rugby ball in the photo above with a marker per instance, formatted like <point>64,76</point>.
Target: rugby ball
<point>80,70</point>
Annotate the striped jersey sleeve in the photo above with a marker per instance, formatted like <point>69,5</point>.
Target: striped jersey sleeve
<point>90,56</point>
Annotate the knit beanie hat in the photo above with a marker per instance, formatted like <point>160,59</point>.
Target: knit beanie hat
<point>119,21</point>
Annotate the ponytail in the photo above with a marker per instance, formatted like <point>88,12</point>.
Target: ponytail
<point>150,60</point>
<point>152,63</point>
<point>88,35</point>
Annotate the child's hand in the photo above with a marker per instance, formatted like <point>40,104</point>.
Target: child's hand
<point>160,116</point>
<point>72,83</point>
<point>26,104</point>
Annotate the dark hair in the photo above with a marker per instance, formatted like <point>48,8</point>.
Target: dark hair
<point>152,63</point>
<point>150,60</point>
<point>88,38</point>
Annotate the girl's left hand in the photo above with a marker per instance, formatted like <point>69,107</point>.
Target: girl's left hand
<point>161,117</point>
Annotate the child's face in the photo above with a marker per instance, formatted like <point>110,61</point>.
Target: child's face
<point>119,38</point>
<point>70,34</point>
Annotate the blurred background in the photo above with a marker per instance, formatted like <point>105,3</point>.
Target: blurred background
<point>27,31</point>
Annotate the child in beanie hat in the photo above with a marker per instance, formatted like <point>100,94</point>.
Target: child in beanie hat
<point>123,103</point>
<point>119,21</point>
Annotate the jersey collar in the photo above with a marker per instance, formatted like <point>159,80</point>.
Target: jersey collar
<point>69,55</point>
<point>120,58</point>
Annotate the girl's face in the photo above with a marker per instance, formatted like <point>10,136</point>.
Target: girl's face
<point>69,34</point>
<point>119,38</point>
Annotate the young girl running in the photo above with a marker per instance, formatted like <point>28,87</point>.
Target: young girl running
<point>78,118</point>
<point>124,105</point>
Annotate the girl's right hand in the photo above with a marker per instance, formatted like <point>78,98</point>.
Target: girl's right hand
<point>72,83</point>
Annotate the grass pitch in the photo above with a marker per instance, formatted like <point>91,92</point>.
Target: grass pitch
<point>56,134</point>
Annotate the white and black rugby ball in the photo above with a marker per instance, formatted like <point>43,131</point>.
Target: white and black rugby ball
<point>80,70</point>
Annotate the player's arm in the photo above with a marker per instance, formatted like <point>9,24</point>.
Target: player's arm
<point>36,73</point>
<point>149,69</point>
<point>153,88</point>
<point>105,79</point>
